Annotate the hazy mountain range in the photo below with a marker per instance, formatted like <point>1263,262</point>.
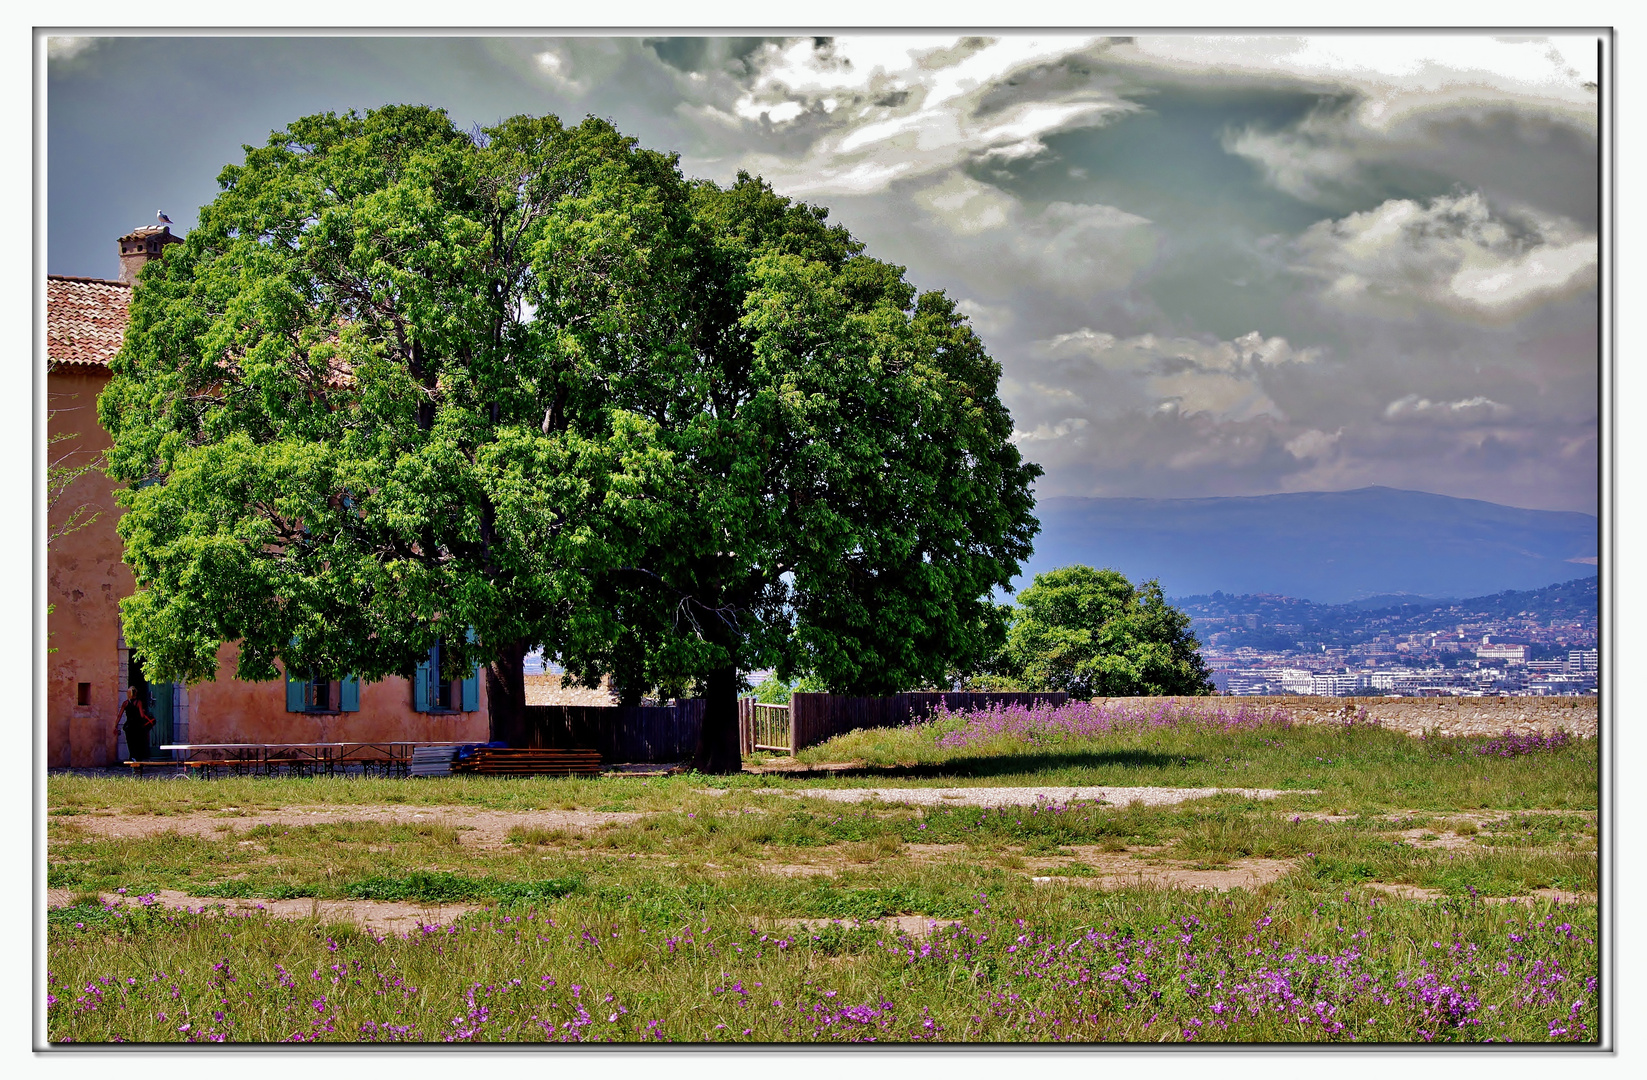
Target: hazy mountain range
<point>1330,547</point>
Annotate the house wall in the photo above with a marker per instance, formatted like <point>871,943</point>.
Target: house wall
<point>232,711</point>
<point>85,580</point>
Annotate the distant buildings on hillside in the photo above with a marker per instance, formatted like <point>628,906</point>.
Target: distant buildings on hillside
<point>1504,674</point>
<point>1539,642</point>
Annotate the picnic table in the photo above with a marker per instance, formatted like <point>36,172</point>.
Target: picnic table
<point>391,755</point>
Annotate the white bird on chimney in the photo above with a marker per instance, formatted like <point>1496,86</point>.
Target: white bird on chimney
<point>160,216</point>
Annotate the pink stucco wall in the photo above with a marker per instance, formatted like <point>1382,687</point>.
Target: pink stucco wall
<point>85,580</point>
<point>230,710</point>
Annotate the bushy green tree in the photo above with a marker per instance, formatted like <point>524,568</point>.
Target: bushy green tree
<point>1093,634</point>
<point>531,386</point>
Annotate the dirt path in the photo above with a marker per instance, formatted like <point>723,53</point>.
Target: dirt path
<point>1110,871</point>
<point>1415,892</point>
<point>1032,796</point>
<point>383,916</point>
<point>481,828</point>
<point>490,828</point>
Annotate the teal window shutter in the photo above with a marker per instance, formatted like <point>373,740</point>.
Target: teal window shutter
<point>296,693</point>
<point>348,694</point>
<point>162,713</point>
<point>471,686</point>
<point>420,687</point>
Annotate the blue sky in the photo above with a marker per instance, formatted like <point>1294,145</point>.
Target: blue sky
<point>1208,265</point>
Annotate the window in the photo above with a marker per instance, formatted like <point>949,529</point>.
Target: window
<point>318,695</point>
<point>433,694</point>
<point>312,695</point>
<point>82,694</point>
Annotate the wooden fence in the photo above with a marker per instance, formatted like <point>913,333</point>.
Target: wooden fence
<point>669,733</point>
<point>815,718</point>
<point>645,734</point>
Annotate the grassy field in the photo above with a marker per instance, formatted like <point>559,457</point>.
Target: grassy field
<point>701,910</point>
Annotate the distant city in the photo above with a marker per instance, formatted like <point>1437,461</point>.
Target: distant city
<point>1535,643</point>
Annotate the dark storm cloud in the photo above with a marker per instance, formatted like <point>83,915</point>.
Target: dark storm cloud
<point>1207,265</point>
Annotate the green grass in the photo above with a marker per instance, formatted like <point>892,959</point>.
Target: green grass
<point>1033,965</point>
<point>334,860</point>
<point>1362,767</point>
<point>656,920</point>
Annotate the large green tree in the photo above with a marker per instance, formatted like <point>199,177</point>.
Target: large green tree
<point>531,386</point>
<point>842,492</point>
<point>1093,634</point>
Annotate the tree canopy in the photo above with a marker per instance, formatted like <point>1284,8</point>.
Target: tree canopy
<point>1093,634</point>
<point>530,386</point>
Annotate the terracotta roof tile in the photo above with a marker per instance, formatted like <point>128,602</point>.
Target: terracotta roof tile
<point>85,319</point>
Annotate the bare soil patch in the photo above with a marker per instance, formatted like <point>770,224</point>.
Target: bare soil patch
<point>1451,829</point>
<point>799,869</point>
<point>382,916</point>
<point>1116,870</point>
<point>1416,892</point>
<point>1032,796</point>
<point>913,925</point>
<point>480,828</point>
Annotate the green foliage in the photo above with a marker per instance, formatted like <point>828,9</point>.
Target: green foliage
<point>535,383</point>
<point>776,691</point>
<point>1093,634</point>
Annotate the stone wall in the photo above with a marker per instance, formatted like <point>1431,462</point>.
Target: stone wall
<point>1448,716</point>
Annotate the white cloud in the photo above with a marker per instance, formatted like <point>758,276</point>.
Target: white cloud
<point>1398,75</point>
<point>1453,253</point>
<point>1308,161</point>
<point>1313,443</point>
<point>1249,352</point>
<point>1051,432</point>
<point>1539,273</point>
<point>1467,410</point>
<point>779,113</point>
<point>987,319</point>
<point>1223,379</point>
<point>879,107</point>
<point>1006,253</point>
<point>67,48</point>
<point>966,206</point>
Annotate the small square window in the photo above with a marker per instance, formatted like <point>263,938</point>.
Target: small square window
<point>82,694</point>
<point>319,692</point>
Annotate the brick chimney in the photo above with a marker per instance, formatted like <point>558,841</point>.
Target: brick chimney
<point>140,245</point>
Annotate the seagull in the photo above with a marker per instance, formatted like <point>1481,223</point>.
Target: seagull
<point>160,216</point>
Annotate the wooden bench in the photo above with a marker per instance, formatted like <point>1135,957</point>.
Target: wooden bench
<point>499,761</point>
<point>137,767</point>
<point>292,765</point>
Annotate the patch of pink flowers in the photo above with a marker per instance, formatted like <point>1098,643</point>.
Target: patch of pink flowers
<point>1044,724</point>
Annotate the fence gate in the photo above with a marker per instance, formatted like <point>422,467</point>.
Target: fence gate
<point>764,727</point>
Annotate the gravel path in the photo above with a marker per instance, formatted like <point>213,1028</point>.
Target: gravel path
<point>1030,796</point>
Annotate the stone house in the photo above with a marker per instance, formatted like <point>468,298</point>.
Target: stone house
<point>90,665</point>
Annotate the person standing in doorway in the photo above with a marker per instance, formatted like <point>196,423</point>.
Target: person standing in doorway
<point>135,715</point>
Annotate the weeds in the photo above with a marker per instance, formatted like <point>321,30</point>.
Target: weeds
<point>681,924</point>
<point>1133,967</point>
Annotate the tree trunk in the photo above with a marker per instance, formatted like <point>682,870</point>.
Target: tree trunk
<point>506,696</point>
<point>718,740</point>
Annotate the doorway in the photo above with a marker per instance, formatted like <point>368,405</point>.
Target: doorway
<point>159,699</point>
